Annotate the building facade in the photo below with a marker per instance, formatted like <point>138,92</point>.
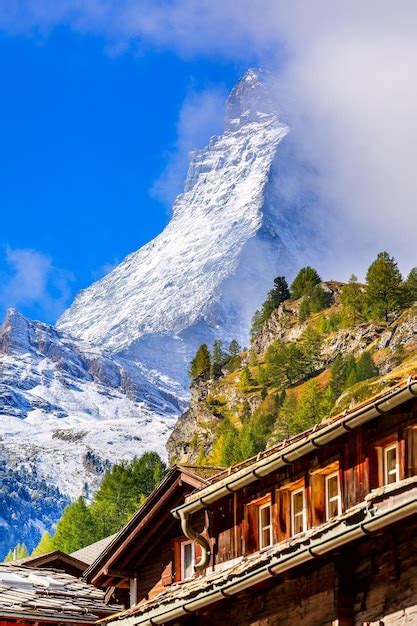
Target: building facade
<point>318,530</point>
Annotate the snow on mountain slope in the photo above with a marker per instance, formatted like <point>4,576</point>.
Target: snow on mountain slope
<point>203,276</point>
<point>68,409</point>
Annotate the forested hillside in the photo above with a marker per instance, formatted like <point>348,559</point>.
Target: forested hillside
<point>316,348</point>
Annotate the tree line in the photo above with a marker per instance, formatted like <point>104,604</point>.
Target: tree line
<point>122,491</point>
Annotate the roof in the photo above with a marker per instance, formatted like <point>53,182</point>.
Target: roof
<point>381,508</point>
<point>90,553</point>
<point>195,476</point>
<point>51,558</point>
<point>286,452</point>
<point>49,595</point>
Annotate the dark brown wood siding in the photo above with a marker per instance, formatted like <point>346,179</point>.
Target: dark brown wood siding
<point>233,521</point>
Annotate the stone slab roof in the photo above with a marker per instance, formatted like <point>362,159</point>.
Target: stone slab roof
<point>47,594</point>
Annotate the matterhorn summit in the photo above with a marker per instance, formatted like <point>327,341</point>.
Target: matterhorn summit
<point>203,276</point>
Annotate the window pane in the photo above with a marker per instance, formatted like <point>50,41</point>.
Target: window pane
<point>266,537</point>
<point>391,462</point>
<point>333,507</point>
<point>265,516</point>
<point>332,487</point>
<point>297,502</point>
<point>188,560</point>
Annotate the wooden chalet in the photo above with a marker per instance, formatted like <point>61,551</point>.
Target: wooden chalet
<point>33,596</point>
<point>151,551</point>
<point>319,530</point>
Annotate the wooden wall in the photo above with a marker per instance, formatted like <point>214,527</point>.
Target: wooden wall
<point>232,527</point>
<point>372,582</point>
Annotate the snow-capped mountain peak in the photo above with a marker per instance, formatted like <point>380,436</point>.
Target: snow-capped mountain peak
<point>181,288</point>
<point>250,100</point>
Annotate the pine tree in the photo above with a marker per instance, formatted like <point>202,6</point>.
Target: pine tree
<point>76,528</point>
<point>338,375</point>
<point>411,284</point>
<point>304,282</point>
<point>245,380</point>
<point>200,365</point>
<point>352,299</point>
<point>319,299</point>
<point>278,294</point>
<point>122,489</point>
<point>45,545</point>
<point>217,359</point>
<point>304,311</point>
<point>386,294</point>
<point>311,345</point>
<point>234,348</point>
<point>365,367</point>
<point>256,324</point>
<point>284,362</point>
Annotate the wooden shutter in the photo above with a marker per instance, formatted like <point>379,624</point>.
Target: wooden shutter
<point>283,526</point>
<point>166,576</point>
<point>318,499</point>
<point>411,452</point>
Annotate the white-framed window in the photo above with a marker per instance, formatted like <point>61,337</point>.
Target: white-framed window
<point>187,559</point>
<point>391,464</point>
<point>298,511</point>
<point>265,525</point>
<point>333,495</point>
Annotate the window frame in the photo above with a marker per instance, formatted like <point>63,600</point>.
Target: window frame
<point>261,529</point>
<point>182,546</point>
<point>293,493</point>
<point>386,449</point>
<point>327,478</point>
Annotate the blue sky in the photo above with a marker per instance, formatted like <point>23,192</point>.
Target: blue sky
<point>86,134</point>
<point>102,99</point>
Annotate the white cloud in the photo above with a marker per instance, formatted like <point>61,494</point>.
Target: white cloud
<point>201,115</point>
<point>347,85</point>
<point>33,281</point>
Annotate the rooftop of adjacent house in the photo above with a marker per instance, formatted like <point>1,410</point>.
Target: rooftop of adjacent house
<point>194,476</point>
<point>382,507</point>
<point>90,553</point>
<point>49,595</point>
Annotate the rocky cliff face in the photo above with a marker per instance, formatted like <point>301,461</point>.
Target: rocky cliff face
<point>203,276</point>
<point>394,349</point>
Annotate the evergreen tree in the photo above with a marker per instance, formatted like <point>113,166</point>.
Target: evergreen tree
<point>284,362</point>
<point>365,367</point>
<point>338,375</point>
<point>217,359</point>
<point>386,294</point>
<point>234,348</point>
<point>256,324</point>
<point>76,528</point>
<point>304,282</point>
<point>311,345</point>
<point>278,294</point>
<point>20,551</point>
<point>200,365</point>
<point>45,545</point>
<point>122,490</point>
<point>353,302</point>
<point>245,381</point>
<point>318,299</point>
<point>304,311</point>
<point>411,284</point>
